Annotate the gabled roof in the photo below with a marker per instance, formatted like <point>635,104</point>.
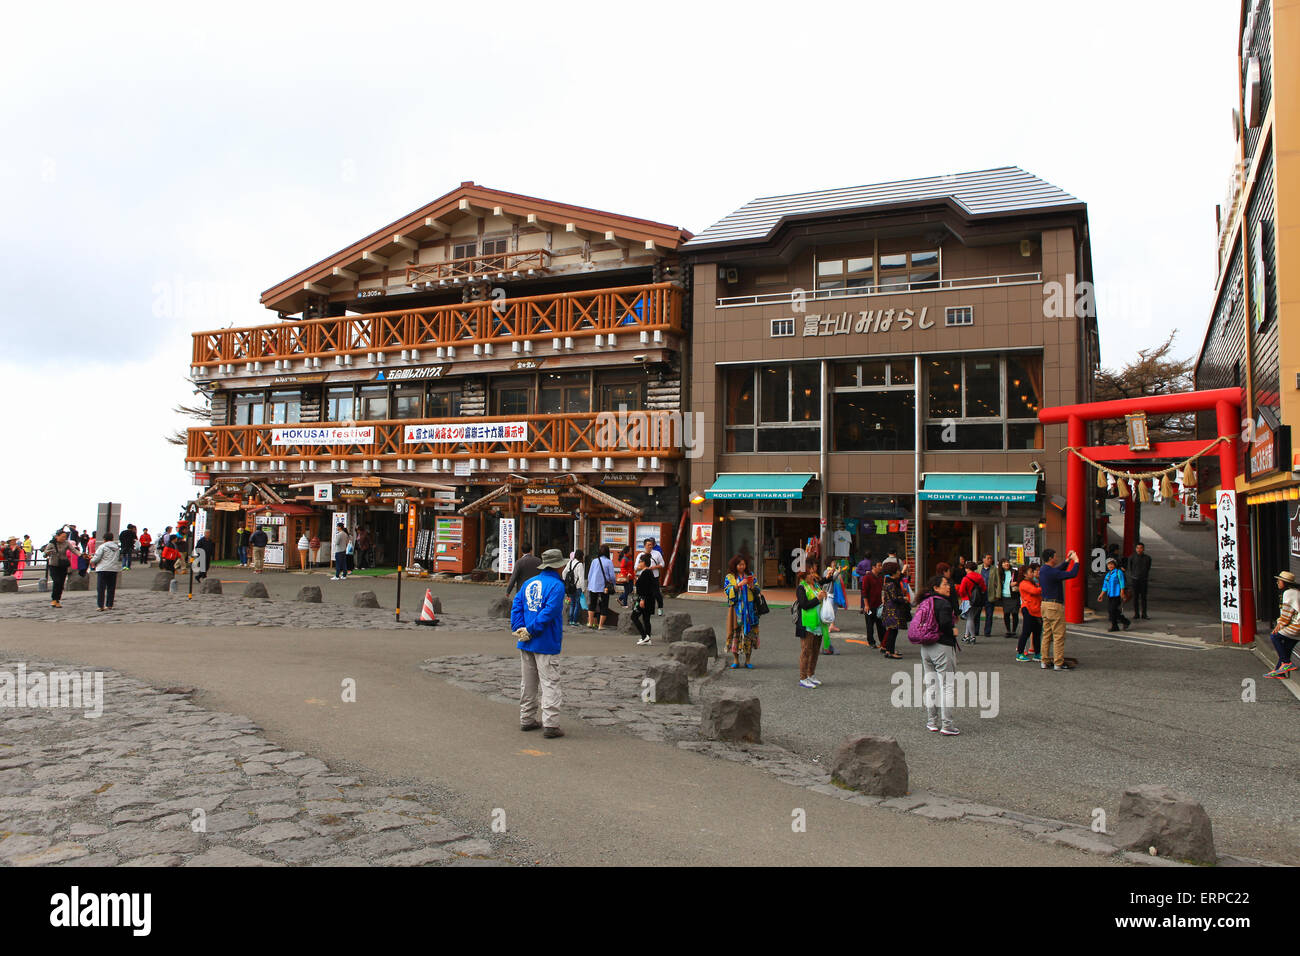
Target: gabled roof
<point>470,199</point>
<point>986,192</point>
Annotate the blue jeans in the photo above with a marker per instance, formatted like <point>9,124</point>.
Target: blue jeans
<point>1284,646</point>
<point>987,613</point>
<point>126,558</point>
<point>341,564</point>
<point>242,551</point>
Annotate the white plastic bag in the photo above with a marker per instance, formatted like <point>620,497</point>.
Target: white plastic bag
<point>827,613</point>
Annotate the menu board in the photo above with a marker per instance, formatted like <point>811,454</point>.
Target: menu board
<point>697,578</point>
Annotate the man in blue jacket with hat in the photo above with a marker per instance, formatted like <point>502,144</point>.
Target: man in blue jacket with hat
<point>537,617</point>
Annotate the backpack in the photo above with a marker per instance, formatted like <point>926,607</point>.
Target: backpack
<point>977,595</point>
<point>924,628</point>
<point>570,582</point>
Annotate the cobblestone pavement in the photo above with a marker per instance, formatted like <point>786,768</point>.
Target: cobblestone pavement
<point>159,781</point>
<point>606,691</point>
<point>222,610</point>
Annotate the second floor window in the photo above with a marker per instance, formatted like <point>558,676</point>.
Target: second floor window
<point>787,399</point>
<point>249,408</point>
<point>285,408</point>
<point>372,402</point>
<point>340,404</point>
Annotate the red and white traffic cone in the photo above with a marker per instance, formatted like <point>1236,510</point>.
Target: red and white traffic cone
<point>426,613</point>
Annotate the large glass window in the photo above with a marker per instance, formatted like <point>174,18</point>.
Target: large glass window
<point>250,408</point>
<point>788,396</point>
<point>561,392</point>
<point>512,396</point>
<point>340,404</point>
<point>874,406</point>
<point>408,401</point>
<point>862,273</point>
<point>285,408</point>
<point>983,402</point>
<point>372,402</point>
<point>443,403</point>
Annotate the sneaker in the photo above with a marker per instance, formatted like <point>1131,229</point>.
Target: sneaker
<point>807,683</point>
<point>550,733</point>
<point>335,578</point>
<point>828,650</point>
<point>1064,667</point>
<point>643,642</point>
<point>1274,673</point>
<point>949,731</point>
<point>533,726</point>
<point>1287,668</point>
<point>815,681</point>
<point>1022,658</point>
<point>660,612</point>
<point>1127,624</point>
<point>1037,657</point>
<point>1046,664</point>
<point>932,725</point>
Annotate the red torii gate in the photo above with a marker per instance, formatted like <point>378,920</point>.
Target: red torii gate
<point>1226,404</point>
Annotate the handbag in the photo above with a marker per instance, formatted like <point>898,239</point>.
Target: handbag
<point>760,605</point>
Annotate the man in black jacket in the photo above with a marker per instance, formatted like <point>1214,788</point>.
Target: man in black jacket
<point>126,541</point>
<point>1139,572</point>
<point>259,541</point>
<point>526,568</point>
<point>209,549</point>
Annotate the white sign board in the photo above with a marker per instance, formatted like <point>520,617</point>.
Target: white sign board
<point>460,433</point>
<point>701,550</point>
<point>324,492</point>
<point>323,435</point>
<point>506,535</point>
<point>464,468</point>
<point>1226,542</point>
<point>1030,540</point>
<point>1192,510</point>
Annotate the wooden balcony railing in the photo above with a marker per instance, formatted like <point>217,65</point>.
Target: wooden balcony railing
<point>492,264</point>
<point>629,309</point>
<point>640,434</point>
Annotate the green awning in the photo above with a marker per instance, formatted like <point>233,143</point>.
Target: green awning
<point>760,485</point>
<point>1015,486</point>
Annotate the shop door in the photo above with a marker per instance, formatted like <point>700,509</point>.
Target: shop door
<point>946,542</point>
<point>989,539</point>
<point>740,537</point>
<point>386,542</point>
<point>553,531</point>
<point>789,538</point>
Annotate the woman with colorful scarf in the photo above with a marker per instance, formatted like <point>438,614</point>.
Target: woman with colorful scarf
<point>742,615</point>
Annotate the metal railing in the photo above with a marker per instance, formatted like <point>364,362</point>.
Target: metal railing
<point>928,285</point>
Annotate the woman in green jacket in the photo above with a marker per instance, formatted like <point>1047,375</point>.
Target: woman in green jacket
<point>809,627</point>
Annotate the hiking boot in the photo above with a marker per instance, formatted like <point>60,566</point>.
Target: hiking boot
<point>552,732</point>
<point>533,726</point>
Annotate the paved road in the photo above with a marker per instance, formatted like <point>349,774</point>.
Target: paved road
<point>598,796</point>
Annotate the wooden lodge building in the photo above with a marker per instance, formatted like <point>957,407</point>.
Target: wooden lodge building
<point>487,356</point>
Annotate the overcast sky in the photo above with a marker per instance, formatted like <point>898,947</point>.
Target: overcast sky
<point>164,164</point>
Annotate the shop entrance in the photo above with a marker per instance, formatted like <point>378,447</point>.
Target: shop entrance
<point>787,541</point>
<point>947,542</point>
<point>385,539</point>
<point>551,531</point>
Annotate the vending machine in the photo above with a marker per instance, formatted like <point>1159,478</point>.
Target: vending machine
<point>455,544</point>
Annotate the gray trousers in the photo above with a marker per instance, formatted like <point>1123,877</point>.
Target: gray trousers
<point>541,672</point>
<point>939,663</point>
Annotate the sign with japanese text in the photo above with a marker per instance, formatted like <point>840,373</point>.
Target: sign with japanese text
<point>506,557</point>
<point>865,321</point>
<point>1192,510</point>
<point>1226,543</point>
<point>1295,533</point>
<point>462,432</point>
<point>701,549</point>
<point>323,435</point>
<point>1029,541</point>
<point>1139,438</point>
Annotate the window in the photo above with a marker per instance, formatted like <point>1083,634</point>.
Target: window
<point>340,404</point>
<point>512,396</point>
<point>874,406</point>
<point>249,408</point>
<point>464,250</point>
<point>285,408</point>
<point>959,315</point>
<point>443,403</point>
<point>782,327</point>
<point>563,392</point>
<point>861,274</point>
<point>494,253</point>
<point>408,401</point>
<point>788,396</point>
<point>983,402</point>
<point>372,402</point>
<point>614,396</point>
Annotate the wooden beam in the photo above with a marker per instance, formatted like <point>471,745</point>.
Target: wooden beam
<point>345,273</point>
<point>375,259</point>
<point>437,225</point>
<point>406,241</point>
<point>313,287</point>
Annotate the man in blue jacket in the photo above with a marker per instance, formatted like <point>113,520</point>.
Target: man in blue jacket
<point>1052,580</point>
<point>537,617</point>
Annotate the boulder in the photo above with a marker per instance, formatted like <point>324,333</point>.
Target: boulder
<point>732,714</point>
<point>210,586</point>
<point>702,634</point>
<point>162,581</point>
<point>76,582</point>
<point>672,683</point>
<point>695,657</point>
<point>365,599</point>
<point>437,604</point>
<point>255,589</point>
<point>308,594</point>
<point>1157,816</point>
<point>674,624</point>
<point>8,584</point>
<point>626,625</point>
<point>499,608</point>
<point>613,617</point>
<point>869,764</point>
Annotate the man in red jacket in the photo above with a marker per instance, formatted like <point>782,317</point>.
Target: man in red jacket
<point>873,583</point>
<point>972,589</point>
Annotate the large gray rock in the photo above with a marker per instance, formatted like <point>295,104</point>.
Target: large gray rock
<point>675,623</point>
<point>626,624</point>
<point>873,765</point>
<point>702,634</point>
<point>1158,816</point>
<point>162,581</point>
<point>671,682</point>
<point>76,582</point>
<point>695,657</point>
<point>365,599</point>
<point>499,608</point>
<point>255,589</point>
<point>8,584</point>
<point>732,714</point>
<point>308,594</point>
<point>210,586</point>
<point>613,617</point>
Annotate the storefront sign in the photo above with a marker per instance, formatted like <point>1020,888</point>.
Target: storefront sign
<point>614,478</point>
<point>411,374</point>
<point>323,492</point>
<point>865,322</point>
<point>1030,541</point>
<point>323,435</point>
<point>455,434</point>
<point>1139,439</point>
<point>267,521</point>
<point>349,493</point>
<point>541,500</point>
<point>1270,446</point>
<point>229,506</point>
<point>391,494</point>
<point>366,482</point>
<point>506,535</point>
<point>1226,542</point>
<point>697,578</point>
<point>1258,277</point>
<point>312,379</point>
<point>526,365</point>
<point>274,554</point>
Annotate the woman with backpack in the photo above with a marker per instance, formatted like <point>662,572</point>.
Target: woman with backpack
<point>973,596</point>
<point>896,610</point>
<point>647,594</point>
<point>932,632</point>
<point>742,613</point>
<point>575,582</point>
<point>600,585</point>
<point>808,624</point>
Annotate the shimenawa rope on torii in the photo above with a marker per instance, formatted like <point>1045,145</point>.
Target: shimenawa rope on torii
<point>1122,478</point>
